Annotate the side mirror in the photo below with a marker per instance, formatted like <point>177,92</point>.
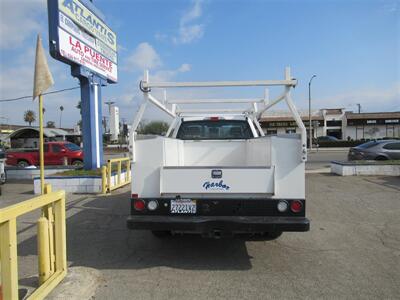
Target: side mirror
<point>63,150</point>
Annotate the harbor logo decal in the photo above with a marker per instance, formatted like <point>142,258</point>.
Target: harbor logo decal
<point>216,185</point>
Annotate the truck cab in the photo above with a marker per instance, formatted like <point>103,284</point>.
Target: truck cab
<point>217,175</point>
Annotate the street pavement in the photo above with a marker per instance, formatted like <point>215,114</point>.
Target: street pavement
<point>322,158</point>
<point>352,250</point>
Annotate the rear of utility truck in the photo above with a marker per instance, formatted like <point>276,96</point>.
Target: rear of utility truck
<point>215,172</point>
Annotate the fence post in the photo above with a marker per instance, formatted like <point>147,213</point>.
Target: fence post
<point>103,179</point>
<point>119,172</point>
<point>109,171</point>
<point>128,170</point>
<point>49,214</point>
<point>43,241</point>
<point>9,259</point>
<point>60,230</point>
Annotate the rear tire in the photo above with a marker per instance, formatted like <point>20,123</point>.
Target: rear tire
<point>23,164</point>
<point>161,233</point>
<point>380,157</point>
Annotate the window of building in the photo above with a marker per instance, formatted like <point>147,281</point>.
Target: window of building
<point>389,130</point>
<point>291,130</point>
<point>392,146</point>
<point>334,123</point>
<point>271,132</point>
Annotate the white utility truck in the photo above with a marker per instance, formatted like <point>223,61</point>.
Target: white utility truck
<point>215,172</point>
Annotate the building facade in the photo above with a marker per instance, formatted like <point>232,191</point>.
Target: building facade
<point>338,123</point>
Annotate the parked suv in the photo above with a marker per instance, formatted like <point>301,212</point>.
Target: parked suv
<point>376,150</point>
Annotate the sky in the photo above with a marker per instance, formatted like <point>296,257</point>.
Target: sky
<point>353,47</point>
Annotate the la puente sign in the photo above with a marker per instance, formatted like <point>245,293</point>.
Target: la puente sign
<point>79,36</point>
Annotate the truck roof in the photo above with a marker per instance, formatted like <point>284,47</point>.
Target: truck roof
<point>214,117</point>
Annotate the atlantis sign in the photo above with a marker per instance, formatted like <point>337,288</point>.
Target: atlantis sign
<point>89,21</point>
<point>79,36</point>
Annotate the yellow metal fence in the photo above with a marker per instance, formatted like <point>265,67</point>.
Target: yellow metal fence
<point>51,243</point>
<point>111,179</point>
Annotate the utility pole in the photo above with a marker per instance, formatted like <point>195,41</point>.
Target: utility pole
<point>105,124</point>
<point>359,107</point>
<point>109,103</point>
<point>309,111</point>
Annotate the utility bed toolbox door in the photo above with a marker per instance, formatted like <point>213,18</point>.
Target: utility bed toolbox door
<point>232,180</point>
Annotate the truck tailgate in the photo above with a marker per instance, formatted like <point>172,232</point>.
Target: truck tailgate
<point>220,180</point>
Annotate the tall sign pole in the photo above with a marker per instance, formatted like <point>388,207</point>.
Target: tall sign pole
<point>79,36</point>
<point>42,81</point>
<point>310,135</point>
<point>41,144</point>
<point>92,129</point>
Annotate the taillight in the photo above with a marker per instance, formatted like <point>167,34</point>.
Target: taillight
<point>296,206</point>
<point>139,204</point>
<point>214,118</point>
<point>134,196</point>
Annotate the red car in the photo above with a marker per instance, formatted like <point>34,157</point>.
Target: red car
<point>55,153</point>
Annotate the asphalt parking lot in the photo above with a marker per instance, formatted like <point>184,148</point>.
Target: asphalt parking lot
<point>352,250</point>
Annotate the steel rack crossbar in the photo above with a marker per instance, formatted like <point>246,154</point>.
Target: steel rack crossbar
<point>288,82</point>
<point>254,112</point>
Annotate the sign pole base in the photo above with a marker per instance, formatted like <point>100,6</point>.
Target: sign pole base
<point>92,129</point>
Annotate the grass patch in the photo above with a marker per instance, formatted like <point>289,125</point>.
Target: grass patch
<point>82,172</point>
<point>79,172</point>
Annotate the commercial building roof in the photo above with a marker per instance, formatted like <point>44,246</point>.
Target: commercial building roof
<point>349,116</point>
<point>333,111</point>
<point>378,115</point>
<point>11,127</point>
<point>288,118</point>
<point>34,132</point>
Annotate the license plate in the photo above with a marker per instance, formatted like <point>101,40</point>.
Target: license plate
<point>183,206</point>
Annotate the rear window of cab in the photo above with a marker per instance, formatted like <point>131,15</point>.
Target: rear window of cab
<point>214,130</point>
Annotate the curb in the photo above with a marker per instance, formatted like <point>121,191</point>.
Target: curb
<point>319,171</point>
<point>80,283</point>
<point>344,149</point>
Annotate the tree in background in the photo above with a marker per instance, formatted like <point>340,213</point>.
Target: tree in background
<point>51,124</point>
<point>154,127</point>
<point>79,106</point>
<point>29,117</point>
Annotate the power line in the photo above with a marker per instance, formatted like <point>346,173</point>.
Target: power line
<point>30,97</point>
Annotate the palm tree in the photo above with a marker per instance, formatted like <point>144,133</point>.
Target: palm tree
<point>79,106</point>
<point>29,117</point>
<point>51,124</point>
<point>61,110</point>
